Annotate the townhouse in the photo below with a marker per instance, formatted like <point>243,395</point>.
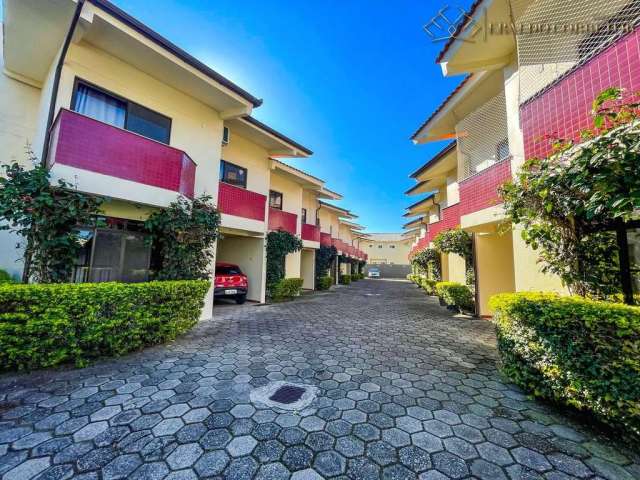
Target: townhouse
<point>519,88</point>
<point>120,112</point>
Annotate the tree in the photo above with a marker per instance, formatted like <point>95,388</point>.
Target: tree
<point>428,261</point>
<point>574,204</point>
<point>46,217</point>
<point>184,235</point>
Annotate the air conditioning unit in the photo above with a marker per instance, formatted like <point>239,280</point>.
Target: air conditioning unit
<point>226,136</point>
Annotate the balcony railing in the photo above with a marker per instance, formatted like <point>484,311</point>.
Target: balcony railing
<point>84,143</point>
<point>310,232</point>
<point>480,191</point>
<point>279,220</point>
<point>325,239</point>
<point>241,202</point>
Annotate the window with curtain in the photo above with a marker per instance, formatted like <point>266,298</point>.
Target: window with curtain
<point>102,106</point>
<point>275,199</point>
<point>233,174</point>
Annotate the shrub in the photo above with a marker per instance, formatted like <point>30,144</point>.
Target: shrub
<point>429,286</point>
<point>47,325</point>
<point>279,244</point>
<point>455,295</point>
<point>345,279</point>
<point>582,353</point>
<point>286,289</point>
<point>355,277</point>
<point>324,283</point>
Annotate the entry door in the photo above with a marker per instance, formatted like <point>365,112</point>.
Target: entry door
<point>120,256</point>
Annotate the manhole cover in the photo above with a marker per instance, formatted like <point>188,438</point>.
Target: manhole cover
<point>287,394</point>
<point>284,395</point>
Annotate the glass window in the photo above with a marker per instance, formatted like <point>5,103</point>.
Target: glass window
<point>228,270</point>
<point>148,123</point>
<point>392,246</point>
<point>304,215</point>
<point>502,150</point>
<point>275,199</point>
<point>233,174</point>
<point>102,106</point>
<point>379,246</point>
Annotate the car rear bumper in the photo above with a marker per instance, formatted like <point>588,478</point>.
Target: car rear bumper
<point>221,291</point>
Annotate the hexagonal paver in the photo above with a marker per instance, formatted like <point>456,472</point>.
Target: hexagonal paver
<point>212,463</point>
<point>184,456</point>
<point>240,446</point>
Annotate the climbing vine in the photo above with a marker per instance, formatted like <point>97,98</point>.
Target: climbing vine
<point>324,257</point>
<point>458,242</point>
<point>279,245</point>
<point>428,261</point>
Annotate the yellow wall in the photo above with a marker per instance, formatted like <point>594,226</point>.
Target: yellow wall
<point>329,222</point>
<point>310,202</point>
<point>453,268</point>
<point>19,106</point>
<point>308,268</point>
<point>494,267</point>
<point>382,251</point>
<point>527,274</point>
<point>248,254</point>
<point>291,194</point>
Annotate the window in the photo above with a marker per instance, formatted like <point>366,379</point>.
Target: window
<point>304,215</point>
<point>105,107</point>
<point>370,246</point>
<point>392,246</point>
<point>233,174</point>
<point>379,246</point>
<point>502,150</point>
<point>228,270</point>
<point>275,200</point>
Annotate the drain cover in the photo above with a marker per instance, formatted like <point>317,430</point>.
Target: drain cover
<point>287,394</point>
<point>281,395</point>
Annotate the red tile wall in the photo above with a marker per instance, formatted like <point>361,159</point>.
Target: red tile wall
<point>241,202</point>
<point>88,144</point>
<point>325,239</point>
<point>564,110</point>
<point>279,220</point>
<point>310,232</point>
<point>480,191</point>
<point>449,219</point>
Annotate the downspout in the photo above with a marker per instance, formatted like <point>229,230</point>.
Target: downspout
<point>56,80</point>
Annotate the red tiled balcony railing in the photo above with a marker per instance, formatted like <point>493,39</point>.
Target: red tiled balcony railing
<point>241,202</point>
<point>279,220</point>
<point>480,191</point>
<point>449,218</point>
<point>81,142</point>
<point>310,232</point>
<point>325,239</point>
<point>564,109</point>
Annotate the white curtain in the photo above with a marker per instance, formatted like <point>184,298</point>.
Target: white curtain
<point>100,106</point>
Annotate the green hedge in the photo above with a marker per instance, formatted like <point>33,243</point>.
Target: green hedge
<point>345,279</point>
<point>355,277</point>
<point>428,285</point>
<point>324,283</point>
<point>47,325</point>
<point>455,295</point>
<point>582,353</point>
<point>286,289</point>
<point>5,277</point>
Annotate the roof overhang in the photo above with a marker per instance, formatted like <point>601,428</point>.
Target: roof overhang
<point>476,90</point>
<point>421,207</point>
<point>341,212</point>
<point>412,233</point>
<point>415,223</point>
<point>482,42</point>
<point>353,226</point>
<point>329,194</point>
<point>306,181</point>
<point>276,144</point>
<point>433,176</point>
<point>35,30</point>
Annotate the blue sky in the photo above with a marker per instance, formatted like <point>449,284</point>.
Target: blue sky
<point>349,79</point>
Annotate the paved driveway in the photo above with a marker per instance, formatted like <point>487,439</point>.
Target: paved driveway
<point>405,390</point>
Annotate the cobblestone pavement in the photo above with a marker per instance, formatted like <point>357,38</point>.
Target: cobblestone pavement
<point>406,390</point>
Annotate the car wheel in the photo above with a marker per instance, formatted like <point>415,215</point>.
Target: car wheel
<point>240,299</point>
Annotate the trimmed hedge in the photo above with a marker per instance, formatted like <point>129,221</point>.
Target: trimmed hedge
<point>286,289</point>
<point>582,353</point>
<point>324,283</point>
<point>455,295</point>
<point>47,325</point>
<point>5,277</point>
<point>429,286</point>
<point>355,277</point>
<point>345,279</point>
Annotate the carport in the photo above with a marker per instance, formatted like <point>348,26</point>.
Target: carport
<point>248,252</point>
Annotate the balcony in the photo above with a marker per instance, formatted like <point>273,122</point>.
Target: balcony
<point>480,191</point>
<point>449,219</point>
<point>325,239</point>
<point>310,232</point>
<point>241,202</point>
<point>279,220</point>
<point>92,155</point>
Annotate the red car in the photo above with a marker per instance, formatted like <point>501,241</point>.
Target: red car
<point>230,282</point>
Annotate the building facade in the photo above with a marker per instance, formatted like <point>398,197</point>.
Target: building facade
<point>120,112</point>
<point>518,90</point>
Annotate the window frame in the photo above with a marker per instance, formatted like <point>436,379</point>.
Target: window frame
<point>271,192</point>
<point>74,98</point>
<point>222,171</point>
<point>303,215</point>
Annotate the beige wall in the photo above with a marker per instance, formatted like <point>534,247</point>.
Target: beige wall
<point>453,268</point>
<point>382,252</point>
<point>494,267</point>
<point>310,202</point>
<point>291,195</point>
<point>329,222</point>
<point>19,104</point>
<point>308,268</point>
<point>248,254</point>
